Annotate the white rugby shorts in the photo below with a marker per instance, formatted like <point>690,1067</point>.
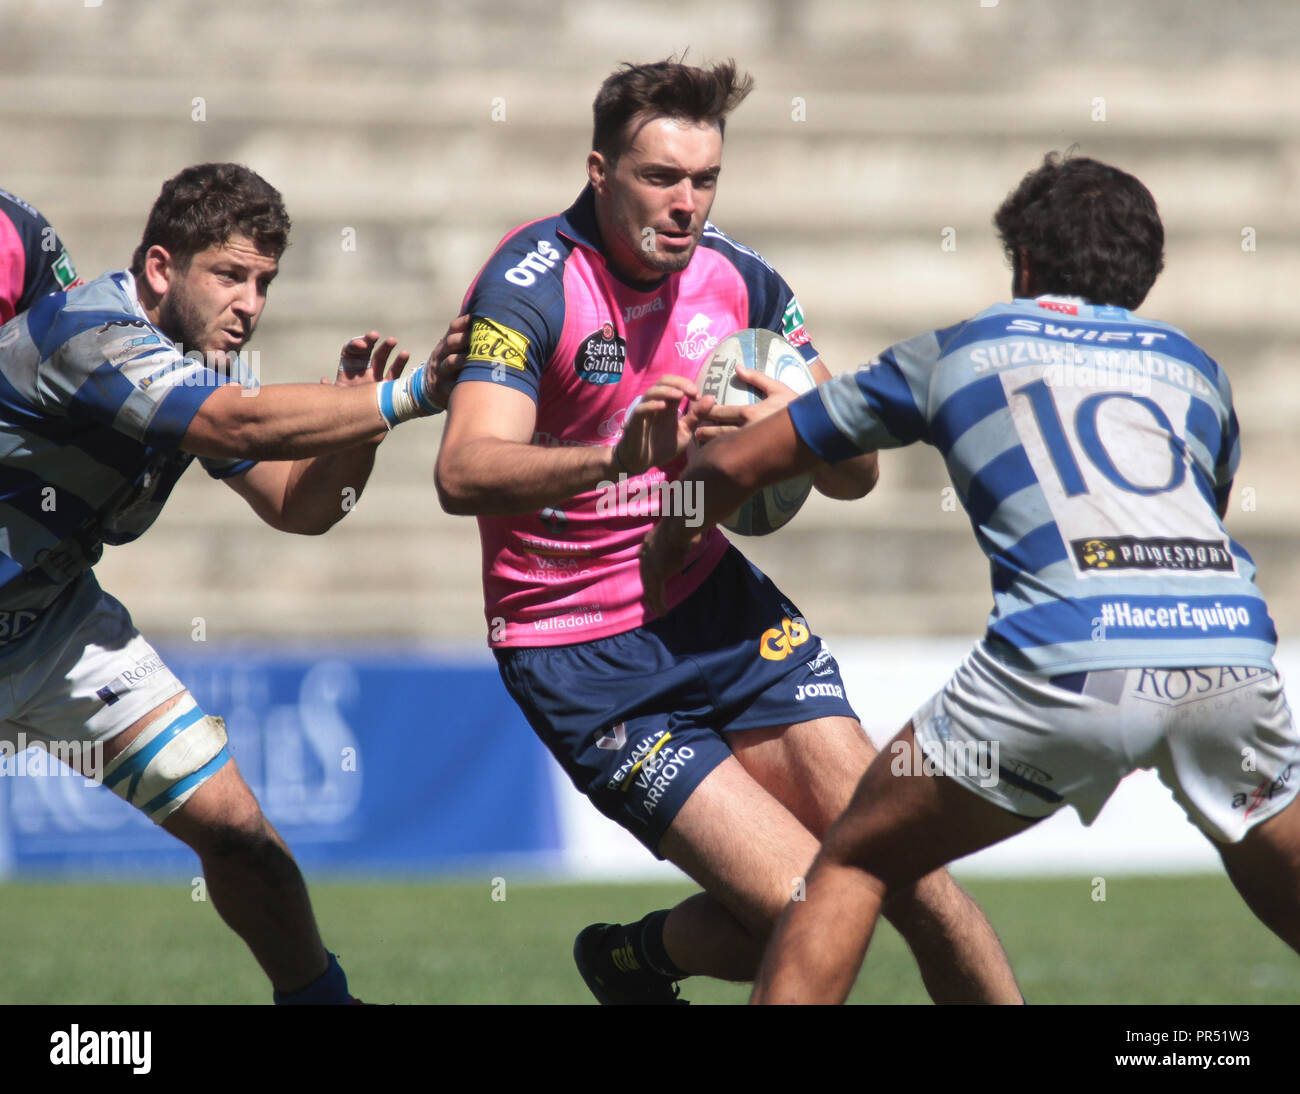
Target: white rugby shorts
<point>98,681</point>
<point>1221,738</point>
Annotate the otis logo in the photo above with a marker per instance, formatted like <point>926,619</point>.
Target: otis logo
<point>545,258</point>
<point>601,357</point>
<point>777,645</point>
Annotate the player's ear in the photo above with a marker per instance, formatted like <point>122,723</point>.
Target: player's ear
<point>597,171</point>
<point>159,269</point>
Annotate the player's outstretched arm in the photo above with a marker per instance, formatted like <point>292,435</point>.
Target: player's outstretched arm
<point>487,465</point>
<point>843,481</point>
<point>293,421</point>
<point>282,422</point>
<point>310,496</point>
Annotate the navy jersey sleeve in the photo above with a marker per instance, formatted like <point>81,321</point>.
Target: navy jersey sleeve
<point>772,303</point>
<point>517,310</point>
<point>46,265</point>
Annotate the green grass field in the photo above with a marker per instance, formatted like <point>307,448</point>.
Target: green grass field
<point>1166,940</point>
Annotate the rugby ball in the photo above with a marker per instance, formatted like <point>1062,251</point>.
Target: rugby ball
<point>769,353</point>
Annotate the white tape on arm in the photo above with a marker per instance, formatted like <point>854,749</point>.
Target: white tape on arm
<point>406,398</point>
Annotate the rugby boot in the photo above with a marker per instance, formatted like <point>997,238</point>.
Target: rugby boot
<point>609,967</point>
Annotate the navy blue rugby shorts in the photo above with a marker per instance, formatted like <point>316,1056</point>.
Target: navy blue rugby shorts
<point>637,719</point>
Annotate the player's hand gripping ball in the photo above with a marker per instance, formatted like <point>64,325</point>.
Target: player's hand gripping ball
<point>769,353</point>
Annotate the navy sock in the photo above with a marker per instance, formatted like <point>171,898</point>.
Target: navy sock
<point>331,987</point>
<point>647,939</point>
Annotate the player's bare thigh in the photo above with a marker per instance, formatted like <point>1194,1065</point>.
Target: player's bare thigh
<point>816,769</point>
<point>750,830</point>
<point>741,845</point>
<point>1265,868</point>
<point>901,825</point>
<point>812,768</point>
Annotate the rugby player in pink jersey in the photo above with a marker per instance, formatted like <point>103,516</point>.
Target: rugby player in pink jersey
<point>698,730</point>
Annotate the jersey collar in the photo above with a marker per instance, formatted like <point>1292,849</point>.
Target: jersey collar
<point>578,221</point>
<point>578,225</point>
<point>1072,305</point>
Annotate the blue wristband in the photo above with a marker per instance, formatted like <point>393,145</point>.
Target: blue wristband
<point>386,409</point>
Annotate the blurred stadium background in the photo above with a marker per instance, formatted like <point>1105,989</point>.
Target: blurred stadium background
<point>407,137</point>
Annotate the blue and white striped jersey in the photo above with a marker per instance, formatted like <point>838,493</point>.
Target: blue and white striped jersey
<point>1090,448</point>
<point>94,402</point>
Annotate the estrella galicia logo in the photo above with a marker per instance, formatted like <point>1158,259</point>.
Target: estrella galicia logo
<point>601,356</point>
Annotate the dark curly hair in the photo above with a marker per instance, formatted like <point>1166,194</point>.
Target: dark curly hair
<point>1087,229</point>
<point>664,89</point>
<point>205,205</point>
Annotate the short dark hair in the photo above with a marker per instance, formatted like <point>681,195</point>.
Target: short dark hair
<point>1087,229</point>
<point>205,205</point>
<point>664,89</point>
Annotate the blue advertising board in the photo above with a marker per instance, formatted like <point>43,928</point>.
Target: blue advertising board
<point>366,764</point>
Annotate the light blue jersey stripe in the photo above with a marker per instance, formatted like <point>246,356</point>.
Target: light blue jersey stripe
<point>1090,448</point>
<point>94,403</point>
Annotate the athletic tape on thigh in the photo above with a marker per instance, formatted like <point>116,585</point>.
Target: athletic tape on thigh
<point>169,760</point>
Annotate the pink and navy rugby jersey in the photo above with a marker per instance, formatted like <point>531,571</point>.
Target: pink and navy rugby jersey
<point>553,321</point>
<point>33,260</point>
